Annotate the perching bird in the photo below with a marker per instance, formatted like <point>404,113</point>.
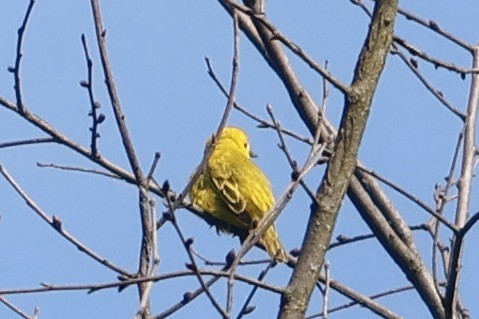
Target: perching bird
<point>233,190</point>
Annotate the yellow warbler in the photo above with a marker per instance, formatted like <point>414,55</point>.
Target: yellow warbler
<point>234,191</point>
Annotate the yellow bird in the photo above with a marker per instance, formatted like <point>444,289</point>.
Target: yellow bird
<point>235,192</point>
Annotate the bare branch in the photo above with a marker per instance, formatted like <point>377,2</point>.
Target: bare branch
<point>154,165</point>
<point>262,123</point>
<point>360,299</point>
<point>31,141</point>
<point>441,201</point>
<point>187,298</point>
<point>141,182</point>
<point>342,162</point>
<point>355,303</point>
<point>435,61</point>
<point>149,207</point>
<point>94,287</point>
<point>344,240</point>
<point>193,266</point>
<point>246,309</point>
<point>113,93</point>
<point>413,66</point>
<point>327,271</point>
<point>77,169</point>
<point>464,188</point>
<point>97,119</point>
<point>56,223</point>
<point>432,25</point>
<point>17,310</point>
<point>437,94</point>
<point>284,148</point>
<point>19,54</point>
<point>397,241</point>
<point>411,197</point>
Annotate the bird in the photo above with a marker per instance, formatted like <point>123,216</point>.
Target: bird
<point>235,192</point>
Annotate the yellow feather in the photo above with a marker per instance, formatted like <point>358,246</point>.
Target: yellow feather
<point>235,191</point>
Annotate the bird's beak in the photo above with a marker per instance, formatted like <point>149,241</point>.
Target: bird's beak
<point>252,154</point>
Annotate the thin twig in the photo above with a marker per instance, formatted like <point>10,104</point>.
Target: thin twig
<point>223,263</point>
<point>19,54</point>
<point>247,309</point>
<point>141,182</point>
<point>60,138</point>
<point>411,197</point>
<point>31,141</point>
<point>56,223</point>
<point>434,26</point>
<point>414,68</point>
<point>464,189</point>
<point>97,119</point>
<point>187,298</point>
<point>194,267</point>
<point>435,61</point>
<point>355,303</point>
<point>429,24</point>
<point>94,287</point>
<point>154,165</point>
<point>255,235</point>
<point>344,240</point>
<point>359,299</point>
<point>327,274</point>
<point>78,169</point>
<point>229,106</point>
<point>284,148</point>
<point>15,309</point>
<point>261,122</point>
<point>441,202</point>
<point>113,93</point>
<point>437,94</point>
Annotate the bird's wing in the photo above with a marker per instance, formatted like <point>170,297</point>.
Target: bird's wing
<point>229,191</point>
<point>221,175</point>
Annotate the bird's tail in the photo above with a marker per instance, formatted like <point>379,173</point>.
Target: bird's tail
<point>273,246</point>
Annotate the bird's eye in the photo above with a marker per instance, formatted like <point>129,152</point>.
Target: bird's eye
<point>245,145</point>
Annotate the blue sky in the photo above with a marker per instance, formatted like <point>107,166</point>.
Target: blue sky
<point>157,52</point>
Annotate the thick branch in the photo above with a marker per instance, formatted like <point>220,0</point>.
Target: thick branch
<point>342,162</point>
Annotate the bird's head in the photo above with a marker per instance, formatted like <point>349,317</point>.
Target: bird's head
<point>238,139</point>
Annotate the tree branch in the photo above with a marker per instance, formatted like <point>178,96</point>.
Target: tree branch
<point>464,188</point>
<point>342,162</point>
<point>141,182</point>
